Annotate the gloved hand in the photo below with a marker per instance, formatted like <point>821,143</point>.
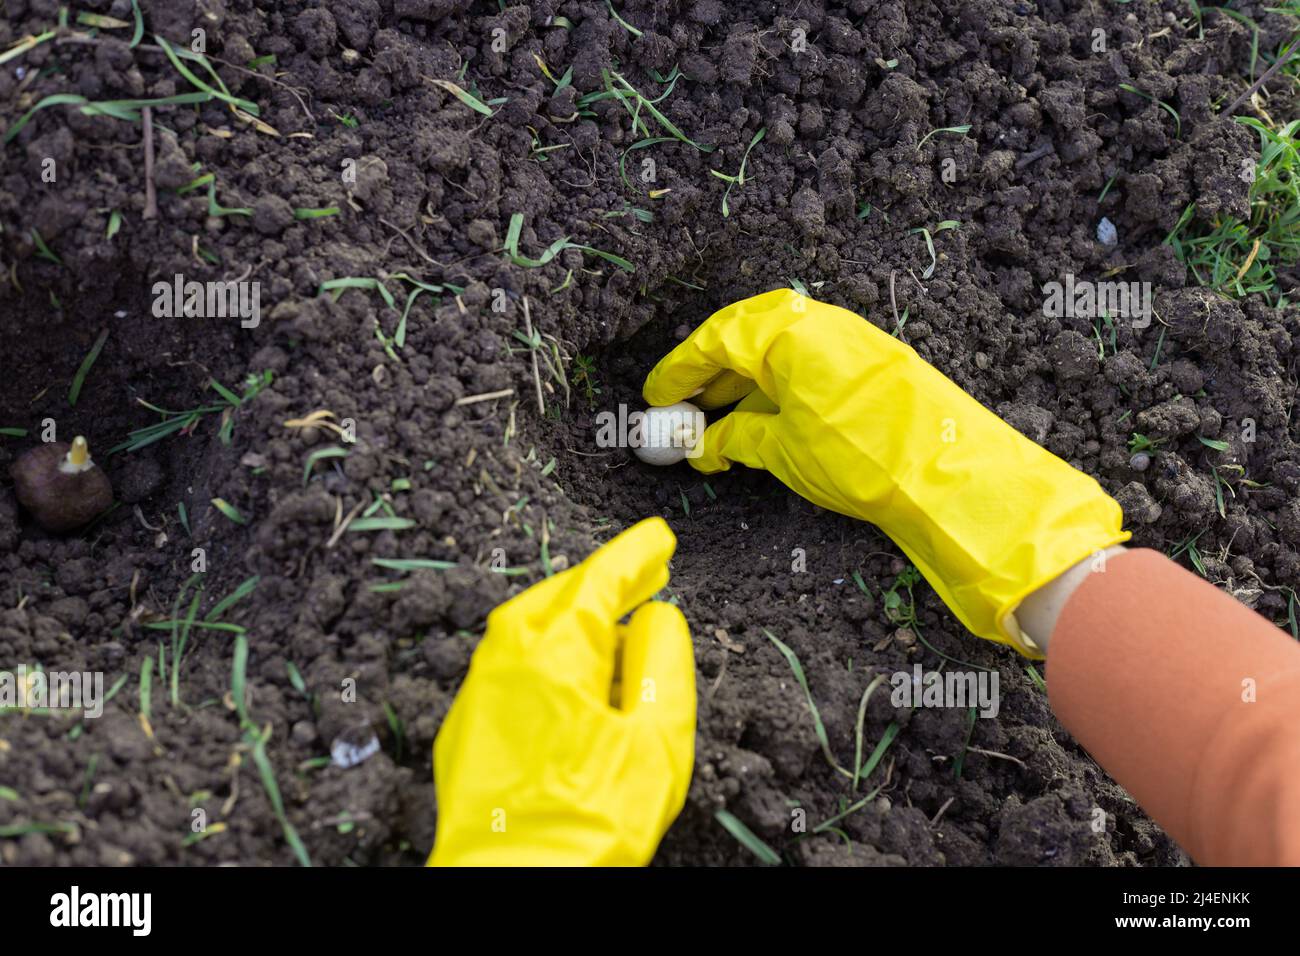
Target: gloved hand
<point>855,421</point>
<point>572,738</point>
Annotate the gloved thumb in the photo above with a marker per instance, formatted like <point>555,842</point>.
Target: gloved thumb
<point>658,683</point>
<point>748,438</point>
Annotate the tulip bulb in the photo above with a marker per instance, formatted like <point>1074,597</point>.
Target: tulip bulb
<point>61,485</point>
<point>668,434</point>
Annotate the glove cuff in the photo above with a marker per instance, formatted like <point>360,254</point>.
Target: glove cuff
<point>999,532</point>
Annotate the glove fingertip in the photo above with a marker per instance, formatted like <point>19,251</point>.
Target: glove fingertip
<point>659,660</point>
<point>659,616</point>
<point>655,537</point>
<point>669,383</point>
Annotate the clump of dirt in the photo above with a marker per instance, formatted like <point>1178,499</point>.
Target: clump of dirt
<point>863,106</point>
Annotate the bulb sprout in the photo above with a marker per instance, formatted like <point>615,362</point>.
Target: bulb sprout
<point>79,453</point>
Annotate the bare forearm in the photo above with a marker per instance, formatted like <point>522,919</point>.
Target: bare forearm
<point>1186,697</point>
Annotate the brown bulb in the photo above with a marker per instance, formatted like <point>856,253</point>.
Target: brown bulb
<point>60,485</point>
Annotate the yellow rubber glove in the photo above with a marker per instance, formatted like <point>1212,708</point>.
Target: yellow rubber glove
<point>554,755</point>
<point>855,421</point>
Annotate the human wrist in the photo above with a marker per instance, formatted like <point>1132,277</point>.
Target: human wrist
<point>1039,611</point>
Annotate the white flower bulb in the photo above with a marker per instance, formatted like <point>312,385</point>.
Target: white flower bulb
<point>667,434</point>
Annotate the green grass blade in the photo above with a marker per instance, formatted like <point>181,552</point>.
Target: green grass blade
<point>79,379</point>
<point>27,43</point>
<point>56,99</point>
<point>958,130</point>
<point>623,23</point>
<point>862,718</point>
<point>381,523</point>
<point>146,686</point>
<point>412,564</point>
<point>747,838</point>
<point>639,144</point>
<point>469,99</point>
<point>607,256</point>
<point>654,111</point>
<point>245,588</point>
<point>222,94</point>
<point>333,451</point>
<point>239,677</point>
<point>818,726</point>
<point>138,33</point>
<point>225,393</point>
<point>267,773</point>
<point>229,510</point>
<point>43,250</point>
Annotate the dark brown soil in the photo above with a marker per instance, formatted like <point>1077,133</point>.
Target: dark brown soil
<point>833,194</point>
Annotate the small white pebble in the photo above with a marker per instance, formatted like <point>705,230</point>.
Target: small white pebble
<point>345,754</point>
<point>1107,234</point>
